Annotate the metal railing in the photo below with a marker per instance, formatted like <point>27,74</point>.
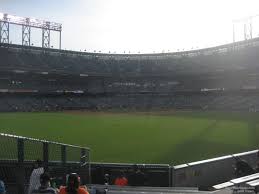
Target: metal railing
<point>18,155</point>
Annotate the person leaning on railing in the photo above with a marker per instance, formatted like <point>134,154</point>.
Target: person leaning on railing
<point>73,186</point>
<point>35,176</point>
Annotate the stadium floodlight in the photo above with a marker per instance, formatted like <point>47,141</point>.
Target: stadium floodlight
<point>27,24</point>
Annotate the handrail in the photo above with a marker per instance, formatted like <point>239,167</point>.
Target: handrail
<point>42,141</point>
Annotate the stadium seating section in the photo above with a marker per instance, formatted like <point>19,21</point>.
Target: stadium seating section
<point>218,78</point>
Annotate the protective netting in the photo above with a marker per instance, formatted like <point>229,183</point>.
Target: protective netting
<point>55,152</point>
<point>23,160</point>
<point>8,148</point>
<point>73,154</point>
<point>33,150</point>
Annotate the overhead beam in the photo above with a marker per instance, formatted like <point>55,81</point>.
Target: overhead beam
<point>27,24</point>
<point>32,22</point>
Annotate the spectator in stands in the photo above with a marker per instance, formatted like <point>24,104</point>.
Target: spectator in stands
<point>44,185</point>
<point>73,186</point>
<point>106,179</point>
<point>35,176</point>
<point>242,168</point>
<point>137,178</point>
<point>2,187</point>
<point>121,180</point>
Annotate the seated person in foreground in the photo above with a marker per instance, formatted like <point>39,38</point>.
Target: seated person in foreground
<point>73,186</point>
<point>44,185</point>
<point>137,178</point>
<point>121,180</point>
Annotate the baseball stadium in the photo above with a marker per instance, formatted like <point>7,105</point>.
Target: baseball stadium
<point>159,111</point>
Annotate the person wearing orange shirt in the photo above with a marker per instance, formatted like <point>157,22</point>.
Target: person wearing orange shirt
<point>121,180</point>
<point>73,186</point>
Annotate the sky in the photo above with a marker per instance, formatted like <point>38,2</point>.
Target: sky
<point>137,26</point>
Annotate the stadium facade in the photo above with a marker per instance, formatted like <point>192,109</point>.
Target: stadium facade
<point>44,79</point>
<point>225,77</point>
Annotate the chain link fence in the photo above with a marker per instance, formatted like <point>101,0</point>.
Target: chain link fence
<point>20,157</point>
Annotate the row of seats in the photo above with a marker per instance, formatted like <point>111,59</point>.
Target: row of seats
<point>134,102</point>
<point>32,60</point>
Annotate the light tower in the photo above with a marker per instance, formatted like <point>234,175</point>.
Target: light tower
<point>247,23</point>
<point>27,23</point>
<point>4,29</point>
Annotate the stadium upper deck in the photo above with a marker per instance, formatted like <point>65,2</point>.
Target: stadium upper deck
<point>227,67</point>
<point>240,57</point>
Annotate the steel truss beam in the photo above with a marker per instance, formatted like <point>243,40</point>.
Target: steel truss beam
<point>4,30</point>
<point>27,24</point>
<point>35,23</point>
<point>46,36</point>
<point>26,34</point>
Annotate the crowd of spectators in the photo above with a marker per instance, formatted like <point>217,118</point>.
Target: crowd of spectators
<point>126,81</point>
<point>41,181</point>
<point>14,57</point>
<point>124,102</point>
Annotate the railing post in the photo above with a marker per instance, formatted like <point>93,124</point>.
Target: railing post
<point>20,149</point>
<point>89,167</point>
<point>63,154</point>
<point>83,156</point>
<point>20,171</point>
<point>173,179</point>
<point>85,163</point>
<point>45,155</point>
<point>170,176</point>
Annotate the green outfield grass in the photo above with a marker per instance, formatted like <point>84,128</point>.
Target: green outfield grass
<point>164,137</point>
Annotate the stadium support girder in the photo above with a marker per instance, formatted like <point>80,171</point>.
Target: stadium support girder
<point>26,34</point>
<point>46,36</point>
<point>247,23</point>
<point>4,30</point>
<point>27,24</point>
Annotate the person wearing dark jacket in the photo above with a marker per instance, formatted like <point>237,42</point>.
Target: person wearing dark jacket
<point>242,168</point>
<point>44,187</point>
<point>137,178</point>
